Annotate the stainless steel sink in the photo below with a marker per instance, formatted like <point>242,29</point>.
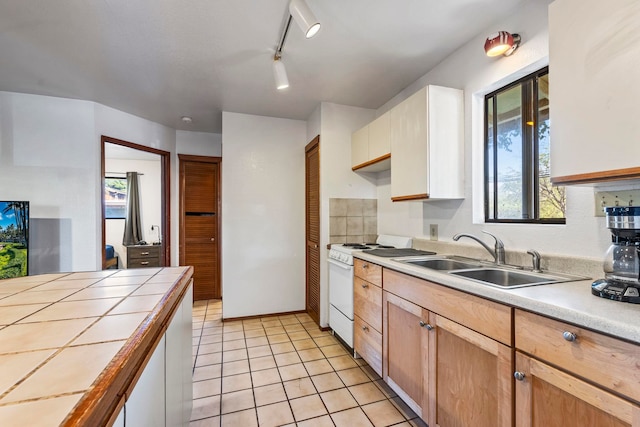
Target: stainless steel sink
<point>505,278</point>
<point>486,273</point>
<point>442,264</point>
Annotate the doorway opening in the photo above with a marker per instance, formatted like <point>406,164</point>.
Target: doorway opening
<point>119,157</point>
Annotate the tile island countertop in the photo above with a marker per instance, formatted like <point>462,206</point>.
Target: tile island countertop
<point>71,343</point>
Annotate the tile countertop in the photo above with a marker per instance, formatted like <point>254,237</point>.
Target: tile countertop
<point>61,333</point>
<point>570,302</point>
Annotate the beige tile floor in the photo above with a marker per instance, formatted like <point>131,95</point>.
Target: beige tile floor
<point>283,371</point>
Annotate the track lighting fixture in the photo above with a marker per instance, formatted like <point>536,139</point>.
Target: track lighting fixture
<point>501,43</point>
<point>300,12</point>
<point>304,17</point>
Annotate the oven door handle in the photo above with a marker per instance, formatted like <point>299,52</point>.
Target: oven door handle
<point>340,264</point>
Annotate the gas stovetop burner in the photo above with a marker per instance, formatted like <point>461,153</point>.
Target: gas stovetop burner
<point>358,246</point>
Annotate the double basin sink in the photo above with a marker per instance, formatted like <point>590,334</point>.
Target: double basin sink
<point>489,273</point>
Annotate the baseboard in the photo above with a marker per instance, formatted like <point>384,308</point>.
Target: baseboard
<point>259,316</point>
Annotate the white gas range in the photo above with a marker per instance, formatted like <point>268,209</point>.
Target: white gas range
<point>341,281</point>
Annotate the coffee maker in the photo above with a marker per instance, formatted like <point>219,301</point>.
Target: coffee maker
<point>622,261</point>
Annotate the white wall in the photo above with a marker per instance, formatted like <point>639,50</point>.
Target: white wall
<point>149,183</point>
<point>50,155</point>
<point>199,143</point>
<point>263,236</point>
<point>337,180</point>
<point>469,69</point>
<point>47,158</point>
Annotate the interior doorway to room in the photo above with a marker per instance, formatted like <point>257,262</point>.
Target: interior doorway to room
<point>119,157</point>
<point>200,206</point>
<point>312,228</point>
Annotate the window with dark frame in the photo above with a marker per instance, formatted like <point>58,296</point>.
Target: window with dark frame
<point>517,180</point>
<point>115,197</point>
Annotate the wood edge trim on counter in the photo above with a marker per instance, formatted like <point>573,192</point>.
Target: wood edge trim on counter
<point>371,162</point>
<point>610,175</point>
<point>410,197</point>
<point>258,316</point>
<point>102,401</point>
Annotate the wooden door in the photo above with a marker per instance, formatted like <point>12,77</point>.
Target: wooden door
<point>405,350</point>
<point>200,223</point>
<point>312,227</point>
<point>548,397</point>
<point>473,378</point>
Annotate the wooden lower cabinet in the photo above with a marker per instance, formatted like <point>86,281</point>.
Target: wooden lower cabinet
<point>436,359</point>
<point>548,397</point>
<point>472,377</point>
<point>405,350</point>
<point>367,342</point>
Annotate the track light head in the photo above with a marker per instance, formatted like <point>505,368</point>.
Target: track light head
<point>280,73</point>
<point>304,17</point>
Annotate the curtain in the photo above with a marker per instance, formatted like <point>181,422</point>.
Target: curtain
<point>132,225</point>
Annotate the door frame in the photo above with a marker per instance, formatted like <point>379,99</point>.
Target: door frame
<point>181,244</point>
<point>165,199</point>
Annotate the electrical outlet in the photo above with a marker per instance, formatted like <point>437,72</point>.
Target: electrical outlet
<point>433,231</point>
<point>615,198</point>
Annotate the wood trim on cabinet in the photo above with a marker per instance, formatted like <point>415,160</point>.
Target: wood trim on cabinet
<point>104,397</point>
<point>609,175</point>
<point>371,162</point>
<point>410,197</point>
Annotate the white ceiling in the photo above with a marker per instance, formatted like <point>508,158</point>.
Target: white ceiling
<point>162,59</point>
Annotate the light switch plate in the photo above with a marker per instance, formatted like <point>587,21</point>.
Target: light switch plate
<point>615,198</point>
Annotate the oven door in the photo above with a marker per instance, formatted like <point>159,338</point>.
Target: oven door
<point>341,287</point>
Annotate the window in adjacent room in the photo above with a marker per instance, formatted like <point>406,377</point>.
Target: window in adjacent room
<point>517,140</point>
<point>115,197</point>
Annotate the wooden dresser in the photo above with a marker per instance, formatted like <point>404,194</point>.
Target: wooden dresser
<point>141,256</point>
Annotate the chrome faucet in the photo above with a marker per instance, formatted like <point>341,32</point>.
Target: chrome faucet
<point>497,253</point>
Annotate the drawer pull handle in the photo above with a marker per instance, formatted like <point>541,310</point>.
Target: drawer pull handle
<point>144,262</point>
<point>144,253</point>
<point>519,375</point>
<point>426,325</point>
<point>365,286</point>
<point>569,336</point>
<point>365,265</point>
<point>365,328</point>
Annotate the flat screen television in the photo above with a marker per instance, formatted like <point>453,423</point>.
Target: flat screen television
<point>14,239</point>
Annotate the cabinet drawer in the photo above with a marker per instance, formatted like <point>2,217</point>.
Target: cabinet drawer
<point>367,342</point>
<point>487,317</point>
<point>141,263</point>
<point>134,252</point>
<point>367,302</point>
<point>372,273</point>
<point>607,361</point>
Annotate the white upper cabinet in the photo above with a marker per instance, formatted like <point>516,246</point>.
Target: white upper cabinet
<point>370,146</point>
<point>594,65</point>
<point>427,145</point>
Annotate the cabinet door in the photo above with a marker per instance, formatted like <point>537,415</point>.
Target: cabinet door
<point>360,147</point>
<point>405,350</point>
<point>379,142</point>
<point>594,58</point>
<point>408,135</point>
<point>547,397</point>
<point>472,377</point>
